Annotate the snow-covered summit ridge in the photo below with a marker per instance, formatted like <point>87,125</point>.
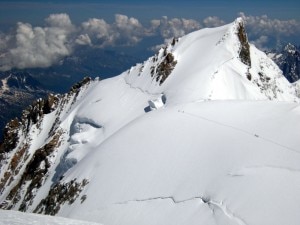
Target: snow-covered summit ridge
<point>144,148</point>
<point>213,63</point>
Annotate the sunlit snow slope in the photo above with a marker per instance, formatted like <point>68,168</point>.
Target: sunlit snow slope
<point>17,218</point>
<point>205,132</point>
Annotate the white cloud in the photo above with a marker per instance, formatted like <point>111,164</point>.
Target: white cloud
<point>38,46</point>
<point>124,31</point>
<point>98,31</point>
<point>261,42</point>
<point>263,30</point>
<point>30,46</point>
<point>213,21</point>
<point>5,39</point>
<point>83,39</point>
<point>175,27</point>
<point>170,28</point>
<point>59,20</point>
<point>130,31</point>
<point>154,24</point>
<point>263,25</point>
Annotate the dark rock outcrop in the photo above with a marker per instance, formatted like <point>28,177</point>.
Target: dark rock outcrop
<point>164,64</point>
<point>245,47</point>
<point>61,194</point>
<point>165,68</point>
<point>26,168</point>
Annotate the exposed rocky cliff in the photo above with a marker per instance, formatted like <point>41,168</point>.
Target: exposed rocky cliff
<point>26,164</point>
<point>17,91</point>
<point>288,60</point>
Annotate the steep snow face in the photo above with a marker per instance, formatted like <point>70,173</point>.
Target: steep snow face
<point>178,139</point>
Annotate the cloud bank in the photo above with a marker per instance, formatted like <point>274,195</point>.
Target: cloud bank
<point>37,46</point>
<point>124,31</point>
<point>262,29</point>
<point>30,47</point>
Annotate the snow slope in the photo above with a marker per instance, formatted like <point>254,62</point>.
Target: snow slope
<point>17,218</point>
<point>206,161</point>
<point>204,132</point>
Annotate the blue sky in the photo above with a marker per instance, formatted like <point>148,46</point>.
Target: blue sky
<point>30,28</point>
<point>35,11</point>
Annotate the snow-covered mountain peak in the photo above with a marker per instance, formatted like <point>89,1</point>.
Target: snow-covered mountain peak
<point>18,80</point>
<point>212,63</point>
<point>288,59</point>
<point>290,48</point>
<point>145,147</point>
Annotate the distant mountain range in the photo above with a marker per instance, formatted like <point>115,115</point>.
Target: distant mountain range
<point>17,91</point>
<point>288,60</point>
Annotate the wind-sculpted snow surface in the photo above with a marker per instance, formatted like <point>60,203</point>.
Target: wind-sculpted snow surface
<point>17,218</point>
<point>204,132</point>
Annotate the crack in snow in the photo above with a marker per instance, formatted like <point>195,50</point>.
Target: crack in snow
<point>213,205</point>
<point>163,198</point>
<point>242,171</point>
<point>274,167</point>
<point>226,212</point>
<point>140,89</point>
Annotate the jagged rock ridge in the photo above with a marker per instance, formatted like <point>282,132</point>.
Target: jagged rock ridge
<point>245,47</point>
<point>18,159</point>
<point>288,60</point>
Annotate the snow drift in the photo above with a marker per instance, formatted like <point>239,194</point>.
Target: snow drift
<point>18,218</point>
